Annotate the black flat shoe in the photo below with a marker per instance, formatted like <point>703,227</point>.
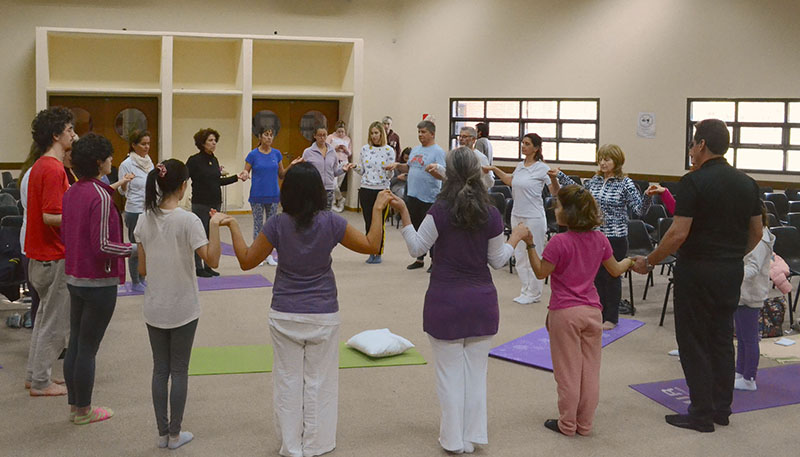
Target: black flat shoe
<point>415,265</point>
<point>552,424</point>
<point>201,273</point>
<point>721,420</point>
<point>212,272</point>
<point>685,421</point>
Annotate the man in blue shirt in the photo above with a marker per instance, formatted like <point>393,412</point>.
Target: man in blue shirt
<point>425,168</point>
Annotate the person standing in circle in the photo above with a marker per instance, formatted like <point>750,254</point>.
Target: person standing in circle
<point>206,175</point>
<point>322,155</point>
<point>375,155</point>
<point>138,164</point>
<point>264,165</point>
<point>527,182</point>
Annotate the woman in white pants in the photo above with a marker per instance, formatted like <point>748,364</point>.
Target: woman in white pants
<point>304,314</point>
<point>461,313</point>
<point>527,182</point>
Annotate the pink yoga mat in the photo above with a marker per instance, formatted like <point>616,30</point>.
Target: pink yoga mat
<point>533,349</point>
<point>777,386</point>
<point>216,283</point>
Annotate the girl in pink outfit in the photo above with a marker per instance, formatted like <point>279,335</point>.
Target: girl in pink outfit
<point>574,320</point>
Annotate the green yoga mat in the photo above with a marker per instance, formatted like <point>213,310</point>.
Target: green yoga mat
<point>258,359</point>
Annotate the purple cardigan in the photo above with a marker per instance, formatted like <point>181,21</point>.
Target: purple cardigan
<point>91,229</point>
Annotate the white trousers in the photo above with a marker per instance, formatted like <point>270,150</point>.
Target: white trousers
<point>305,391</point>
<point>531,287</point>
<point>461,367</point>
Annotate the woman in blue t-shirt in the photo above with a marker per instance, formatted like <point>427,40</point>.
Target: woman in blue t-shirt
<point>264,165</point>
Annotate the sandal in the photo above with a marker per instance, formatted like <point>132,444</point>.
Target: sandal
<point>98,414</point>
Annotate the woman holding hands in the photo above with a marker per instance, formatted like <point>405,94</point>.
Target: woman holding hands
<point>322,155</point>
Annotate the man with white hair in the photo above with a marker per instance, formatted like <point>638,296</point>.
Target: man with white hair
<point>392,138</point>
<point>467,137</point>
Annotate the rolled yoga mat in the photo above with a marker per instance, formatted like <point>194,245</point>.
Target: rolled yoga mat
<point>533,349</point>
<point>215,283</point>
<point>777,386</point>
<point>258,359</point>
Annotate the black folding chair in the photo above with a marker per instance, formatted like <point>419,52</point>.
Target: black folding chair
<point>771,208</point>
<point>13,191</point>
<point>651,217</point>
<point>794,206</point>
<point>10,227</point>
<point>8,210</point>
<point>772,220</point>
<point>503,189</point>
<point>7,178</point>
<point>781,203</point>
<point>509,206</point>
<point>641,185</point>
<point>673,186</point>
<point>792,194</point>
<point>792,219</point>
<point>787,245</point>
<point>639,243</point>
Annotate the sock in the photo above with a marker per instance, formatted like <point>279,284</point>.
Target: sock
<point>183,438</point>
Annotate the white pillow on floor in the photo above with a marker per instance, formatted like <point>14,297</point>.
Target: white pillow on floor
<point>379,343</point>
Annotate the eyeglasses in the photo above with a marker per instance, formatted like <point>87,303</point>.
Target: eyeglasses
<point>466,136</point>
<point>692,144</point>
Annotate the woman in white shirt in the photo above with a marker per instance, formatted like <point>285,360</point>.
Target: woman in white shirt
<point>138,164</point>
<point>375,155</point>
<point>527,182</point>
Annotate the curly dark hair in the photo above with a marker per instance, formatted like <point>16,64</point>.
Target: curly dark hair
<point>202,135</point>
<point>48,124</point>
<point>87,152</point>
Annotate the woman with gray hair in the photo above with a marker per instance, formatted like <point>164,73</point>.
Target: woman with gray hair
<point>461,313</point>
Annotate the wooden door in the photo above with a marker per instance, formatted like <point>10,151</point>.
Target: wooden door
<point>293,120</point>
<point>114,118</point>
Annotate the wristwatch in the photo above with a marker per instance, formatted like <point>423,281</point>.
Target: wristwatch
<point>531,246</point>
<point>648,264</point>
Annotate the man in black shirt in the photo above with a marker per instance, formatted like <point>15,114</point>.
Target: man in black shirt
<point>717,221</point>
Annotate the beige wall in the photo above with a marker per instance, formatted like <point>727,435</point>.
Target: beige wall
<point>635,55</point>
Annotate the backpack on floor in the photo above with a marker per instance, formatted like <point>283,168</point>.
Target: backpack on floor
<point>770,322</point>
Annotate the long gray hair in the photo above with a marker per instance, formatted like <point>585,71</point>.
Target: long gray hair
<point>464,191</point>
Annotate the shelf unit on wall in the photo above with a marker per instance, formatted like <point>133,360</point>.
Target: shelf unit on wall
<point>202,80</point>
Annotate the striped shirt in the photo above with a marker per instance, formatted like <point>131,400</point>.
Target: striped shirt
<point>614,196</point>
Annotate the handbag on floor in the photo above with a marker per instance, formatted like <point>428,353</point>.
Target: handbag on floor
<point>770,323</point>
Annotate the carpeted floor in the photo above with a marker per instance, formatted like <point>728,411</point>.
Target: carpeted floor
<point>382,411</point>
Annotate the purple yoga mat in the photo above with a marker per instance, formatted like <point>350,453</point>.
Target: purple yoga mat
<point>216,283</point>
<point>226,249</point>
<point>777,386</point>
<point>533,349</point>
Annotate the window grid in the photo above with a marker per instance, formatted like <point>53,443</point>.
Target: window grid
<point>522,121</point>
<point>786,127</point>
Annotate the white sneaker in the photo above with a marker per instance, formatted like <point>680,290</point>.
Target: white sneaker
<point>738,376</point>
<point>525,300</point>
<point>745,384</point>
<point>271,261</point>
<point>338,206</point>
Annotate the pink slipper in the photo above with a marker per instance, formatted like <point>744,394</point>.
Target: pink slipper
<point>98,414</point>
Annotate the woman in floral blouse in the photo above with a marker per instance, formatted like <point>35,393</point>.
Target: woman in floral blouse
<point>615,194</point>
<point>375,155</point>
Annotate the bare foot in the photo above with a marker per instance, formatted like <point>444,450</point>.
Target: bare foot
<point>27,384</point>
<point>59,381</point>
<point>53,390</point>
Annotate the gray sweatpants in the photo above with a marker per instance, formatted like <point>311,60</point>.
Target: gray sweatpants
<point>51,331</point>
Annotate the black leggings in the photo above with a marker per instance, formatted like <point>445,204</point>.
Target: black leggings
<point>609,288</point>
<point>366,198</point>
<point>172,348</point>
<point>202,212</point>
<point>91,309</point>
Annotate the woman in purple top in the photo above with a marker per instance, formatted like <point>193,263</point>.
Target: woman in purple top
<point>304,317</point>
<point>323,157</point>
<point>461,313</point>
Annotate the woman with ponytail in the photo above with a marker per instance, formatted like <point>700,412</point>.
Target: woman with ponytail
<point>168,238</point>
<point>461,314</point>
<point>527,183</point>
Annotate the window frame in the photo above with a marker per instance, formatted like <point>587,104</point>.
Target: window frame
<point>736,126</point>
<point>558,139</point>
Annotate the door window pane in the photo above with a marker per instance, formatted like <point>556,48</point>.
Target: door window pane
<point>761,112</point>
<point>457,126</point>
<point>504,129</point>
<point>128,121</point>
<point>584,131</point>
<point>730,155</point>
<point>503,110</point>
<point>310,122</point>
<point>578,110</point>
<point>760,135</point>
<point>759,159</point>
<point>543,130</point>
<point>266,120</point>
<point>467,109</point>
<point>584,152</point>
<point>540,110</point>
<point>83,122</point>
<point>504,149</point>
<point>713,110</point>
